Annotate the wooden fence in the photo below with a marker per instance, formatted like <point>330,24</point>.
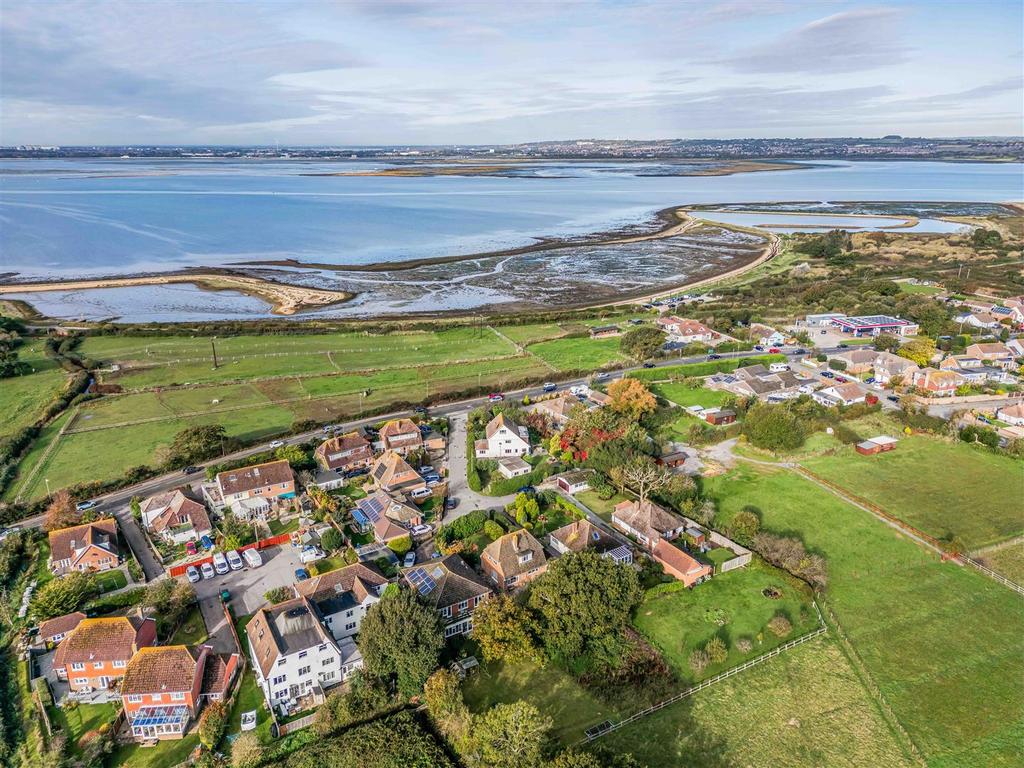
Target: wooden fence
<point>296,725</point>
<point>993,575</point>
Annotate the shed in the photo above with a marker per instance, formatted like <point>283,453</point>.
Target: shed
<point>720,417</point>
<point>513,466</point>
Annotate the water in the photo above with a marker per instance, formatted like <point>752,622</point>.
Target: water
<point>787,223</point>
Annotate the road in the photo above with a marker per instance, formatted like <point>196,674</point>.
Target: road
<point>458,485</point>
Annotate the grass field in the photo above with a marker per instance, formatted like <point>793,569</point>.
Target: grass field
<point>684,396</point>
<point>600,507</point>
<point>730,606</point>
<point>929,290</point>
<point>803,709</point>
<point>22,398</point>
<point>34,455</point>
<point>942,642</point>
<point>938,486</point>
<point>702,369</point>
<point>582,353</point>
<point>534,332</point>
<point>192,630</point>
<point>1008,561</point>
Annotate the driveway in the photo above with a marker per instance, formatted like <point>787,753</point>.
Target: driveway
<point>137,541</point>
<point>458,485</point>
<point>247,588</point>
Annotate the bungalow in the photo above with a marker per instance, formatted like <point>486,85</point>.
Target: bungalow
<point>936,383</point>
<point>402,436</point>
<point>978,320</point>
<point>175,517</point>
<point>503,438</point>
<point>840,394</point>
<point>56,629</point>
<point>575,480</point>
<point>345,452</point>
<point>719,416</point>
<point>343,596</point>
<point>766,336</point>
<point>647,522</point>
<point>1016,347</point>
<point>995,353</point>
<point>95,654</point>
<point>757,381</point>
<point>452,588</point>
<point>679,564</point>
<point>514,559</point>
<point>164,688</point>
<point>858,361</point>
<point>1012,415</point>
<point>684,331</point>
<point>391,473</point>
<point>88,547</point>
<point>582,534</point>
<point>388,515</point>
<point>975,370</point>
<point>270,483</point>
<point>513,466</point>
<point>888,366</point>
<point>558,409</point>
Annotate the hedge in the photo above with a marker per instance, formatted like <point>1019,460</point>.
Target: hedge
<point>506,485</point>
<point>707,368</point>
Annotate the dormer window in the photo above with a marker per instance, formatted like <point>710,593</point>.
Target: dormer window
<point>525,557</point>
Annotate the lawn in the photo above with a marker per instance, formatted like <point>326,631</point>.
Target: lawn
<point>277,527</point>
<point>731,606</point>
<point>35,453</point>
<point>581,353</point>
<point>192,630</point>
<point>164,754</point>
<point>684,396</point>
<point>551,690</point>
<point>601,507</point>
<point>80,720</point>
<point>328,564</point>
<point>803,709</point>
<point>942,642</point>
<point>249,696</point>
<point>22,398</point>
<point>108,581</point>
<point>1009,561</point>
<point>929,290</point>
<point>938,486</point>
<point>671,372</point>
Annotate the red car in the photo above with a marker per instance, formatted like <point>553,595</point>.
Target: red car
<point>495,397</point>
<point>190,547</point>
<point>775,350</point>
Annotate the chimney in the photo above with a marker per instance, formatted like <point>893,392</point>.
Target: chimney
<point>72,545</point>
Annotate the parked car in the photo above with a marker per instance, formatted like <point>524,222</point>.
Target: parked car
<point>713,356</point>
<point>84,505</point>
<point>310,554</point>
<point>823,333</point>
<point>828,374</point>
<point>800,351</point>
<point>426,469</point>
<point>892,399</point>
<point>207,570</point>
<point>253,558</point>
<point>276,444</point>
<point>356,473</point>
<point>301,574</point>
<point>207,542</point>
<point>526,489</point>
<point>190,547</point>
<point>451,502</point>
<point>774,350</point>
<point>602,376</point>
<point>758,348</point>
<point>648,364</point>
<point>421,493</point>
<point>549,386</point>
<point>420,409</point>
<point>410,559</point>
<point>843,345</point>
<point>235,560</point>
<point>192,573</point>
<point>420,530</point>
<point>191,469</point>
<point>431,477</point>
<point>495,397</point>
<point>580,390</point>
<point>869,380</point>
<point>220,563</point>
<point>842,379</point>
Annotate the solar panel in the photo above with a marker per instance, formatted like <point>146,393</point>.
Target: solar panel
<point>422,580</point>
<point>372,508</point>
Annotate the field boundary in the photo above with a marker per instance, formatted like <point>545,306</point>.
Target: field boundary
<point>30,479</point>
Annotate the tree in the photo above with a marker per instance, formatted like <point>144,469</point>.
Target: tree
<point>401,545</point>
<point>211,724</point>
<point>61,512</point>
<point>504,630</point>
<point>237,532</point>
<point>886,342</point>
<point>716,650</point>
<point>601,759</point>
<point>582,601</point>
<point>631,398</point>
<point>773,428</point>
<point>642,343</point>
<point>745,524</point>
<point>448,711</point>
<point>401,638</point>
<point>197,443</point>
<point>170,600</point>
<point>920,351</point>
<point>527,510</point>
<point>278,594</point>
<point>332,540</point>
<point>642,475</point>
<point>64,595</point>
<point>246,751</point>
<point>294,455</point>
<point>364,697</point>
<point>511,735</point>
<point>705,513</point>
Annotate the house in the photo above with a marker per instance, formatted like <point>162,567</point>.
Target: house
<point>391,473</point>
<point>1012,415</point>
<point>888,366</point>
<point>175,517</point>
<point>268,484</point>
<point>858,361</point>
<point>766,336</point>
<point>343,596</point>
<point>647,522</point>
<point>995,353</point>
<point>684,331</point>
<point>875,325</point>
<point>514,559</point>
<point>295,656</point>
<point>88,547</point>
<point>402,436</point>
<point>503,438</point>
<point>56,629</point>
<point>823,319</point>
<point>575,480</point>
<point>936,383</point>
<point>388,515</point>
<point>719,417</point>
<point>840,394</point>
<point>598,398</point>
<point>513,466</point>
<point>582,534</point>
<point>1016,347</point>
<point>559,409</point>
<point>165,687</point>
<point>757,381</point>
<point>452,588</point>
<point>679,564</point>
<point>975,370</point>
<point>345,452</point>
<point>879,444</point>
<point>605,331</point>
<point>95,654</point>
<point>978,320</point>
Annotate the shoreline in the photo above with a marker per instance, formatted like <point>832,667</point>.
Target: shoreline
<point>504,168</point>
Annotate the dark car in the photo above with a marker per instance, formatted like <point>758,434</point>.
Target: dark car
<point>301,574</point>
<point>828,374</point>
<point>207,542</point>
<point>800,351</point>
<point>844,345</point>
<point>713,356</point>
<point>420,410</point>
<point>356,473</point>
<point>191,470</point>
<point>529,489</point>
<point>892,399</point>
<point>648,364</point>
<point>758,348</point>
<point>451,502</point>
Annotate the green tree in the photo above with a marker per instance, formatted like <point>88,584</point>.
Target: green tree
<point>294,455</point>
<point>401,638</point>
<point>447,710</point>
<point>511,735</point>
<point>212,723</point>
<point>642,343</point>
<point>886,342</point>
<point>527,510</point>
<point>505,630</point>
<point>583,601</point>
<point>601,759</point>
<point>920,351</point>
<point>332,540</point>
<point>170,600</point>
<point>773,428</point>
<point>197,443</point>
<point>401,545</point>
<point>246,751</point>
<point>745,524</point>
<point>64,595</point>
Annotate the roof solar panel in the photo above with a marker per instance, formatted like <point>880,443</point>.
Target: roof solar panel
<point>422,580</point>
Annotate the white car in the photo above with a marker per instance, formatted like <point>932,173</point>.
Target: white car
<point>193,574</point>
<point>220,563</point>
<point>580,390</point>
<point>253,558</point>
<point>421,493</point>
<point>207,570</point>
<point>420,530</point>
<point>235,561</point>
<point>310,554</point>
<point>277,443</point>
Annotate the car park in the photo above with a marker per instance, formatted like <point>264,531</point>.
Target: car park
<point>301,574</point>
<point>420,530</point>
<point>220,563</point>
<point>495,397</point>
<point>84,505</point>
<point>190,548</point>
<point>252,558</point>
<point>549,386</point>
<point>207,569</point>
<point>276,444</point>
<point>192,573</point>
<point>207,542</point>
<point>235,560</point>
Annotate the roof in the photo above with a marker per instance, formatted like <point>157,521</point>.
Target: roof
<point>397,427</point>
<point>256,476</point>
<point>358,579</point>
<point>218,671</point>
<point>676,558</point>
<point>391,471</point>
<point>871,321</point>
<point>1015,411</point>
<point>560,406</point>
<point>581,534</point>
<point>577,476</point>
<point>60,625</point>
<point>991,348</point>
<point>499,421</point>
<point>848,391</point>
<point>164,668</point>
<point>513,463</point>
<point>284,629</point>
<point>351,443</point>
<point>647,517</point>
<point>182,510</point>
<point>105,639</point>
<point>505,553</point>
<point>450,582</point>
<point>100,533</point>
<point>883,440</point>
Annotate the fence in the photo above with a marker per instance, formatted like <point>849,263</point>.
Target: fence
<point>743,555</point>
<point>296,725</point>
<point>993,575</point>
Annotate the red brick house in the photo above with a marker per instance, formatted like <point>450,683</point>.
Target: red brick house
<point>453,588</point>
<point>95,654</point>
<point>401,436</point>
<point>87,547</point>
<point>345,452</point>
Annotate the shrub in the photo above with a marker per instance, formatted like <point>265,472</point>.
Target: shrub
<point>745,644</point>
<point>780,626</point>
<point>401,545</point>
<point>211,724</point>
<point>837,365</point>
<point>464,527</point>
<point>716,650</point>
<point>332,540</point>
<point>278,594</point>
<point>473,480</point>
<point>698,660</point>
<point>493,530</point>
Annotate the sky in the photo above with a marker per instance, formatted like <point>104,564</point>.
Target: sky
<point>478,72</point>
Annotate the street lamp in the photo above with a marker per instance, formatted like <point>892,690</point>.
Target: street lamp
<point>47,481</point>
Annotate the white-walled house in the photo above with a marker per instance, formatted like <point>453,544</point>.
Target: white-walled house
<point>343,596</point>
<point>503,438</point>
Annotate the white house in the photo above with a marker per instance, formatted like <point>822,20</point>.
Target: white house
<point>1012,415</point>
<point>504,438</point>
<point>685,331</point>
<point>343,596</point>
<point>840,394</point>
<point>175,517</point>
<point>766,335</point>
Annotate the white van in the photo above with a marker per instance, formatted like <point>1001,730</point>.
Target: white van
<point>252,557</point>
<point>234,560</point>
<point>220,563</point>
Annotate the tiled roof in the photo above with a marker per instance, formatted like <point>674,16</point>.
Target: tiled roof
<point>257,476</point>
<point>507,550</point>
<point>182,511</point>
<point>158,669</point>
<point>218,671</point>
<point>397,427</point>
<point>560,406</point>
<point>107,639</point>
<point>392,471</point>
<point>354,445</point>
<point>101,533</point>
<point>454,582</point>
<point>284,629</point>
<point>648,518</point>
<point>581,534</point>
<point>359,579</point>
<point>60,625</point>
<point>499,421</point>
<point>678,559</point>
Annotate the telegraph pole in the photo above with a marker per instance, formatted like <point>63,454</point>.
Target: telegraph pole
<point>214,348</point>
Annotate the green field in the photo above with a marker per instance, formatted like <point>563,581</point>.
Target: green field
<point>582,353</point>
<point>534,332</point>
<point>702,369</point>
<point>803,709</point>
<point>684,396</point>
<point>942,642</point>
<point>35,453</point>
<point>938,486</point>
<point>1009,561</point>
<point>731,605</point>
<point>929,290</point>
<point>601,507</point>
<point>22,398</point>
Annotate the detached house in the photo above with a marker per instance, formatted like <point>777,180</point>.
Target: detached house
<point>345,452</point>
<point>95,654</point>
<point>582,534</point>
<point>513,560</point>
<point>343,596</point>
<point>389,516</point>
<point>165,687</point>
<point>87,547</point>
<point>558,409</point>
<point>452,588</point>
<point>503,438</point>
<point>175,517</point>
<point>391,473</point>
<point>647,522</point>
<point>839,394</point>
<point>679,564</point>
<point>685,331</point>
<point>936,383</point>
<point>56,629</point>
<point>766,335</point>
<point>252,492</point>
<point>996,354</point>
<point>401,436</point>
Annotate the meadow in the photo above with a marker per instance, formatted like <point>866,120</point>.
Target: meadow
<point>684,396</point>
<point>1009,561</point>
<point>22,398</point>
<point>580,353</point>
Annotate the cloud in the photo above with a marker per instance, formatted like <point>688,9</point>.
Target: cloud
<point>850,41</point>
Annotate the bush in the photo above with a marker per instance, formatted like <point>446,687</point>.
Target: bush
<point>773,428</point>
<point>212,723</point>
<point>837,365</point>
<point>745,644</point>
<point>473,480</point>
<point>401,545</point>
<point>332,540</point>
<point>699,660</point>
<point>278,594</point>
<point>464,527</point>
<point>780,626</point>
<point>493,530</point>
<point>716,650</point>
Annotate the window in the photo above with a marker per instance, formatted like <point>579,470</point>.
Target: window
<point>464,605</point>
<point>526,557</point>
<point>280,662</point>
<point>328,662</point>
<point>322,647</point>
<point>78,666</point>
<point>120,664</point>
<point>178,696</point>
<point>327,675</point>
<point>81,680</point>
<point>135,698</point>
<point>303,654</point>
<point>446,611</point>
<point>156,696</point>
<point>350,625</point>
<point>279,680</point>
<point>348,614</point>
<point>304,671</point>
<point>97,665</point>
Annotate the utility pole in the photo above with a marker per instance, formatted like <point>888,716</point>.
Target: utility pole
<point>214,348</point>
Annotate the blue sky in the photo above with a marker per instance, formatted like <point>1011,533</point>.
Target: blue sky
<point>422,72</point>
